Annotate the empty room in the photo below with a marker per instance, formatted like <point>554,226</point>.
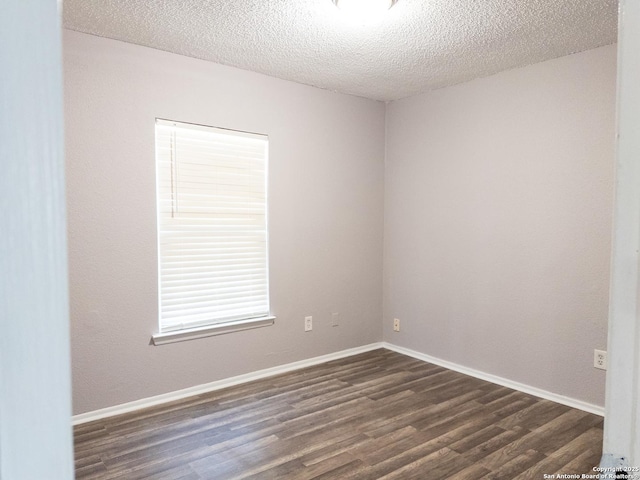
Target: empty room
<point>322,239</point>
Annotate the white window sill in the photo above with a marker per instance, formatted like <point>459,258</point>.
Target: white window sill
<point>210,330</point>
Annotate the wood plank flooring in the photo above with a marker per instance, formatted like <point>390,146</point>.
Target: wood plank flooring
<point>378,415</point>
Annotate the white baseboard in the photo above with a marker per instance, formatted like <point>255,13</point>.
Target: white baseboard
<point>269,372</point>
<point>537,392</point>
<point>217,385</point>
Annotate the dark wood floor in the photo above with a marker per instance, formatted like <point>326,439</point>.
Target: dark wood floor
<point>371,416</point>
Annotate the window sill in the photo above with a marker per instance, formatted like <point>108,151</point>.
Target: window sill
<point>210,330</point>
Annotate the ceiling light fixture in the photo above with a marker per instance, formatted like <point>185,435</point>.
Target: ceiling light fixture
<point>364,12</point>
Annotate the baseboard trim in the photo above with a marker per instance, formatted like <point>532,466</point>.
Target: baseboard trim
<point>537,392</point>
<point>289,367</point>
<point>217,385</point>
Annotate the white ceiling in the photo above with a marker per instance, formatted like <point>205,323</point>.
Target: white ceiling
<point>420,45</point>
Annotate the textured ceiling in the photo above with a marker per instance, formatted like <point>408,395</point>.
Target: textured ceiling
<point>420,44</point>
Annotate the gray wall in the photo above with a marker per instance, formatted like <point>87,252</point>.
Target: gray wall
<point>498,203</point>
<point>497,200</point>
<point>326,217</point>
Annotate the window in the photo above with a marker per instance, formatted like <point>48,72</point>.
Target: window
<point>212,226</point>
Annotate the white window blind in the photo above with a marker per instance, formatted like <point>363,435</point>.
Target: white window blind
<point>212,225</point>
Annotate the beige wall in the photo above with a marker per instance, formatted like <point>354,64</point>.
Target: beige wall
<point>498,205</point>
<point>326,217</point>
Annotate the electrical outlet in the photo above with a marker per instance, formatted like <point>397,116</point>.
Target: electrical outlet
<point>335,319</point>
<point>600,359</point>
<point>396,324</point>
<point>308,324</point>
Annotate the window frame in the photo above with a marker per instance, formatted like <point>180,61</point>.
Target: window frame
<point>200,330</point>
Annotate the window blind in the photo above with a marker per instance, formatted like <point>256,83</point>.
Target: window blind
<point>212,225</point>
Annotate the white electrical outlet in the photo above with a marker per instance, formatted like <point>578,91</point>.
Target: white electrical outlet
<point>396,324</point>
<point>600,359</point>
<point>308,324</point>
<point>335,319</point>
